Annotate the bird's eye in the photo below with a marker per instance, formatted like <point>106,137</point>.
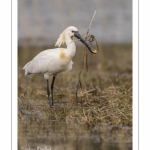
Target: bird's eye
<point>72,31</point>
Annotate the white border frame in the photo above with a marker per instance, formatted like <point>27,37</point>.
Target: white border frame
<point>7,105</point>
<point>14,74</point>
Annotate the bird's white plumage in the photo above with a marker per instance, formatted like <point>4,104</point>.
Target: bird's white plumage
<point>54,61</point>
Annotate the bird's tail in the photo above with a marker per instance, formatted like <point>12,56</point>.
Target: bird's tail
<point>26,68</point>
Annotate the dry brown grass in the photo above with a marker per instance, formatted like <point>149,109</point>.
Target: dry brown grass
<point>104,102</point>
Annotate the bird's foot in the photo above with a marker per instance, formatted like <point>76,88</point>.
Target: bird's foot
<point>51,106</point>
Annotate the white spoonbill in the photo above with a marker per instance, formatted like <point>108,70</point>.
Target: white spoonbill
<point>53,61</point>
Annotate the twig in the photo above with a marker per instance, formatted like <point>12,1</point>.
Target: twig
<point>86,92</point>
<point>86,58</point>
<point>91,23</point>
<point>88,28</point>
<point>85,54</point>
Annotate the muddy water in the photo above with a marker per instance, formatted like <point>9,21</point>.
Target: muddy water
<point>62,137</point>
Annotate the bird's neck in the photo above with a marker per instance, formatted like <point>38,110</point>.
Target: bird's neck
<point>71,47</point>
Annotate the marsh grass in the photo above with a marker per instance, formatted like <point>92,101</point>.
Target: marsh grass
<point>104,102</point>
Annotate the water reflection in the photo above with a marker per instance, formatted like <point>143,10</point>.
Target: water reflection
<point>62,137</point>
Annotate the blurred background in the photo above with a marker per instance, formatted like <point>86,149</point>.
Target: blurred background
<point>41,21</point>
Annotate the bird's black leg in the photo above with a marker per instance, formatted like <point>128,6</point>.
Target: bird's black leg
<point>48,92</point>
<point>52,86</point>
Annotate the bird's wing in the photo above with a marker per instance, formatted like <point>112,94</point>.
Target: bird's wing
<point>40,63</point>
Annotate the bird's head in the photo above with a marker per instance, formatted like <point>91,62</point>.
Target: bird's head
<point>70,32</point>
<point>66,34</point>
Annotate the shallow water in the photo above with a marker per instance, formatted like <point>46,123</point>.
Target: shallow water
<point>60,136</point>
<point>35,132</point>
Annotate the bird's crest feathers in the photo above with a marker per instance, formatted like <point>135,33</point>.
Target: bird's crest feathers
<point>61,39</point>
